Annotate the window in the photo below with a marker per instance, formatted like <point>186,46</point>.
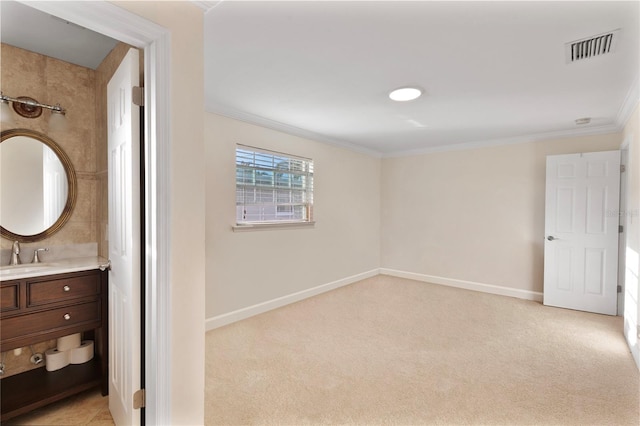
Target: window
<point>272,187</point>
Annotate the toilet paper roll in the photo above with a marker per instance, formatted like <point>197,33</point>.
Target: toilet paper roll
<point>68,342</point>
<point>55,359</point>
<point>82,354</point>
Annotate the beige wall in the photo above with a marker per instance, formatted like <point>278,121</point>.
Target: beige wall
<point>185,22</point>
<point>251,267</point>
<point>52,81</point>
<point>632,218</point>
<point>474,215</point>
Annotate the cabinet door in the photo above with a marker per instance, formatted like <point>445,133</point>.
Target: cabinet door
<point>10,296</point>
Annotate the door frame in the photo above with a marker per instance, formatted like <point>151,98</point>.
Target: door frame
<point>622,236</point>
<point>120,24</point>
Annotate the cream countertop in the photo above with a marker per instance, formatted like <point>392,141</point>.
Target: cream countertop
<point>62,266</point>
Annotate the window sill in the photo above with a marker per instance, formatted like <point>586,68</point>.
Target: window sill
<point>271,225</point>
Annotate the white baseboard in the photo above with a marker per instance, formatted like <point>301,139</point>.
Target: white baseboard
<point>240,314</point>
<point>467,285</point>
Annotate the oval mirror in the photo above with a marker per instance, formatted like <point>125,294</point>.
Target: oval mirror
<point>37,186</point>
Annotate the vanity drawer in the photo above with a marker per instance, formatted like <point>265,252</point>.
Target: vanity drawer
<point>52,320</point>
<point>10,296</point>
<point>62,289</point>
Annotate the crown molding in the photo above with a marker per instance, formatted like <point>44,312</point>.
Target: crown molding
<point>536,137</point>
<point>629,105</point>
<point>631,101</point>
<point>622,117</point>
<point>206,5</point>
<point>286,128</point>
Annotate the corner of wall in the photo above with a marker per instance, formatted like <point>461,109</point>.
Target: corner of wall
<point>259,308</point>
<point>631,142</point>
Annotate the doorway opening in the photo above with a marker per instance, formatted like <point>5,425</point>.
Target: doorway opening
<point>119,24</point>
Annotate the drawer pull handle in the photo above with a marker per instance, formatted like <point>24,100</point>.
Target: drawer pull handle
<point>67,317</point>
<point>66,288</point>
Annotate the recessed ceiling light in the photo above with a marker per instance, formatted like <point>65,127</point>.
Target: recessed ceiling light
<point>405,94</point>
<point>585,120</point>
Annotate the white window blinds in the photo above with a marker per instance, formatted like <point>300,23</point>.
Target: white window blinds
<point>272,187</point>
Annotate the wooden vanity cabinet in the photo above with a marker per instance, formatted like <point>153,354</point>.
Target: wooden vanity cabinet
<point>38,309</point>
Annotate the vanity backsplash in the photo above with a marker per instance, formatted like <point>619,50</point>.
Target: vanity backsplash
<point>53,253</point>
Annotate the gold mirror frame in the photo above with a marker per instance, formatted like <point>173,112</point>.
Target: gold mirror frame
<point>71,182</point>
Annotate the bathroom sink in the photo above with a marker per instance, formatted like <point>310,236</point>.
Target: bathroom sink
<point>57,266</point>
<point>26,268</point>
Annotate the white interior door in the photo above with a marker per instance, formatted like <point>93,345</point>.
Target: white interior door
<point>124,241</point>
<point>581,231</point>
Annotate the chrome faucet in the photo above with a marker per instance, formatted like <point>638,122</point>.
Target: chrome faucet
<point>15,254</point>
<point>36,259</point>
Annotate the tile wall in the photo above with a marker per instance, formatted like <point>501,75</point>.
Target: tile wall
<point>82,92</point>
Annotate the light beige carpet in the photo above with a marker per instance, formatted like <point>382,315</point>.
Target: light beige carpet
<point>393,351</point>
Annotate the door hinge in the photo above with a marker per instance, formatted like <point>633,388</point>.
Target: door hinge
<point>620,229</point>
<point>623,168</point>
<point>619,289</point>
<point>139,399</point>
<point>137,95</point>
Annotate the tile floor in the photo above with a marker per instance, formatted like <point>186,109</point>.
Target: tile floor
<point>87,408</point>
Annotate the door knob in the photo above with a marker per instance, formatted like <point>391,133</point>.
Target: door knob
<point>551,238</point>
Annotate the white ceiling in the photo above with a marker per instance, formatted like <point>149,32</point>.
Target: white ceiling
<point>493,72</point>
<point>35,31</point>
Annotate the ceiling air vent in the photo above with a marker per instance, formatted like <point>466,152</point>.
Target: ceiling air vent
<point>591,47</point>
